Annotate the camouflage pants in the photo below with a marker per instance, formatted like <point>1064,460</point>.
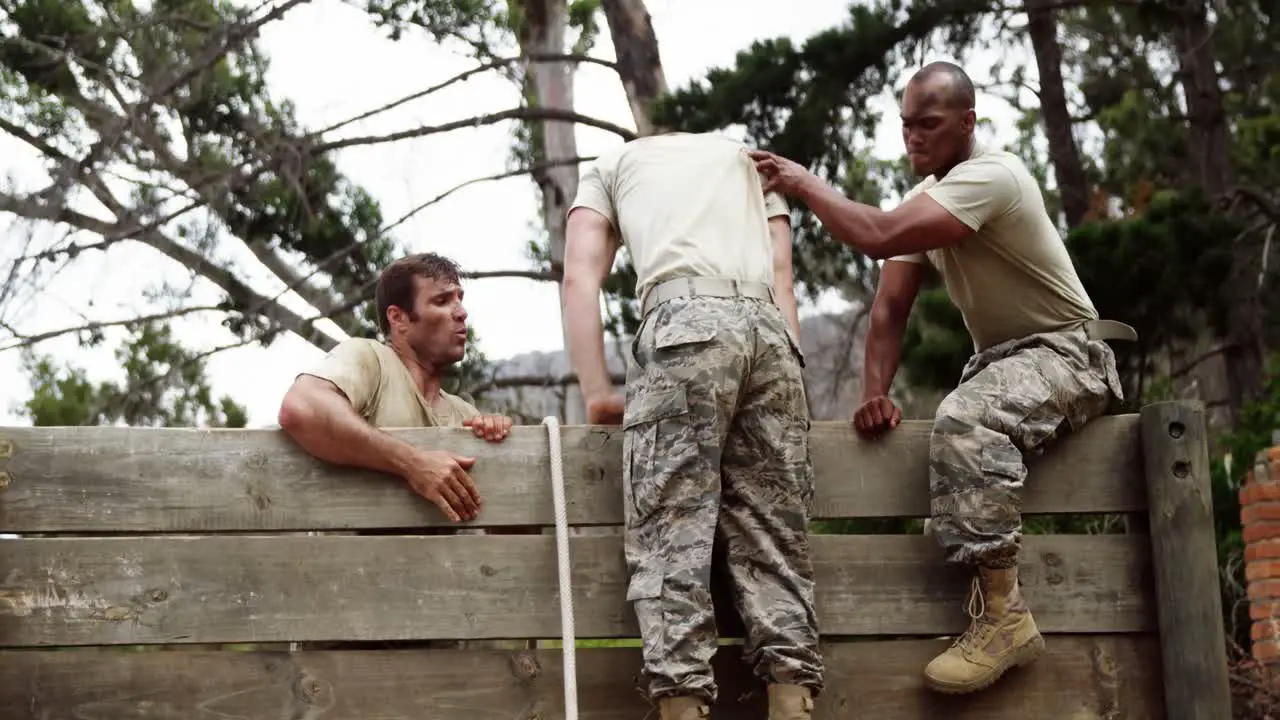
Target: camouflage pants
<point>715,447</point>
<point>1013,400</point>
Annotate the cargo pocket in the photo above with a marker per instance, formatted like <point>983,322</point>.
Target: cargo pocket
<point>644,592</point>
<point>645,584</point>
<point>657,443</point>
<point>799,473</point>
<point>678,331</point>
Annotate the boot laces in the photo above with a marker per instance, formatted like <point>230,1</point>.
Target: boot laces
<point>979,621</point>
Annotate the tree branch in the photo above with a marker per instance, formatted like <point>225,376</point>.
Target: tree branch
<point>466,75</point>
<point>537,381</point>
<point>527,274</point>
<point>519,113</point>
<point>489,178</point>
<point>241,293</point>
<point>28,340</point>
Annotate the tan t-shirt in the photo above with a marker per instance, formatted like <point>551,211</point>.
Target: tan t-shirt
<point>380,388</point>
<point>685,205</point>
<point>1014,277</point>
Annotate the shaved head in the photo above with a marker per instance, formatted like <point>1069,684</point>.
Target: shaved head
<point>948,83</point>
<point>938,118</point>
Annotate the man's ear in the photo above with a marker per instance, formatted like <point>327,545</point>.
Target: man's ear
<point>395,316</point>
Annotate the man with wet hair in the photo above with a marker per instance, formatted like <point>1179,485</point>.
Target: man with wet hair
<point>1040,368</point>
<point>335,410</point>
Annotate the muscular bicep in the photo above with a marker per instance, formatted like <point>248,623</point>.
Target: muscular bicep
<point>899,284</point>
<point>922,224</point>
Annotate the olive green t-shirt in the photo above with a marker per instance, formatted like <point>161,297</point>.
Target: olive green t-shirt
<point>1013,277</point>
<point>382,390</point>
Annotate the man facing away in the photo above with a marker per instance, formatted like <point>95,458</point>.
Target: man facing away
<point>336,410</point>
<point>715,421</point>
<point>1041,368</point>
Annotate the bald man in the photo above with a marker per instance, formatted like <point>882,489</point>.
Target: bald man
<point>1040,367</point>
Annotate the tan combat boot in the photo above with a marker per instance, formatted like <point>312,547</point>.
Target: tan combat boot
<point>790,702</point>
<point>1002,635</point>
<point>683,708</point>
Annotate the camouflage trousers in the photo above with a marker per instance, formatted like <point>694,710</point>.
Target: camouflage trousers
<point>715,449</point>
<point>1012,401</point>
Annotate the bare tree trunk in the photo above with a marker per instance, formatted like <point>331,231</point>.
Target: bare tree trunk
<point>639,63</point>
<point>543,30</point>
<point>1068,170</point>
<point>550,85</point>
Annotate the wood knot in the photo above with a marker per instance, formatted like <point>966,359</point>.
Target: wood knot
<point>314,691</point>
<point>597,439</point>
<point>6,448</point>
<point>257,460</point>
<point>115,614</point>
<point>1181,468</point>
<point>1051,559</point>
<point>525,666</point>
<point>5,479</point>
<point>157,595</point>
<point>488,570</point>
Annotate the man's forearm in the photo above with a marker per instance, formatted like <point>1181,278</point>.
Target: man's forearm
<point>324,424</point>
<point>881,353</point>
<point>849,222</point>
<point>586,337</point>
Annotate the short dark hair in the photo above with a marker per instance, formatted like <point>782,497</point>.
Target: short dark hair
<point>396,284</point>
<point>962,95</point>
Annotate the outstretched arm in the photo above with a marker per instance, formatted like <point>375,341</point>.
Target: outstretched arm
<point>942,216</point>
<point>917,225</point>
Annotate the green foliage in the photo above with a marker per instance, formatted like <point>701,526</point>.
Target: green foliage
<point>164,385</point>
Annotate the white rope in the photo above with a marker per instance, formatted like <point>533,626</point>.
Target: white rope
<point>562,558</point>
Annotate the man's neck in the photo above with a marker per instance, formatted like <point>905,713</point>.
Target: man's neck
<point>425,375</point>
<point>967,153</point>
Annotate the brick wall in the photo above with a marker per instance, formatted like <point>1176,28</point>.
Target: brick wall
<point>1260,520</point>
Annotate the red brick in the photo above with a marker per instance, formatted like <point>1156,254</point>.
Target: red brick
<point>1264,590</point>
<point>1263,570</point>
<point>1262,530</point>
<point>1264,610</point>
<point>1263,549</point>
<point>1260,492</point>
<point>1265,630</point>
<point>1266,650</point>
<point>1260,510</point>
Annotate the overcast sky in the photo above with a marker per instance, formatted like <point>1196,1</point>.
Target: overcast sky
<point>333,64</point>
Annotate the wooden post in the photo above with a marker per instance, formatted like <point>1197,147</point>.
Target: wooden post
<point>1184,555</point>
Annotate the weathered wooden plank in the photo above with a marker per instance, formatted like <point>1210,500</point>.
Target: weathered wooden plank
<point>1079,678</point>
<point>1185,561</point>
<point>187,480</point>
<point>80,591</point>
